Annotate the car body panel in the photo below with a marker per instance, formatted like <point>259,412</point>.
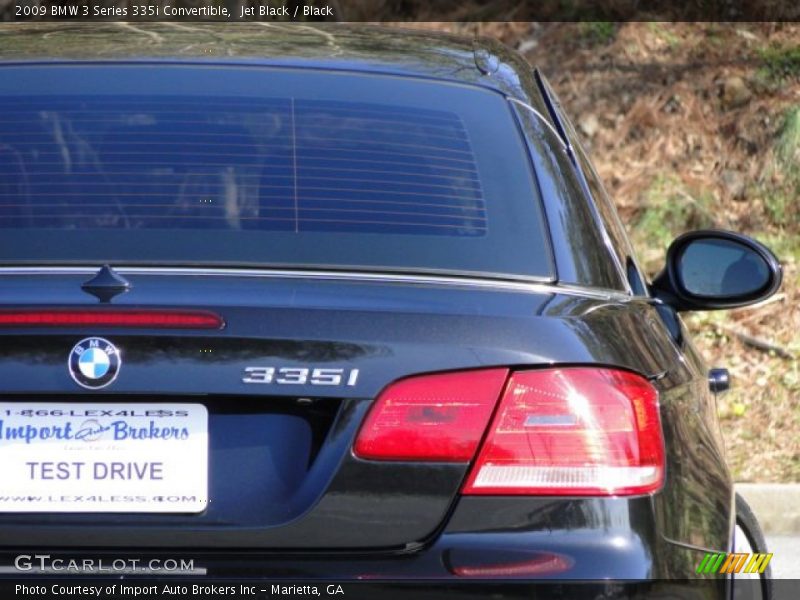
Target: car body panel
<point>387,331</point>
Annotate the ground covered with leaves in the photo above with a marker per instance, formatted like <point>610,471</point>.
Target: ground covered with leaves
<point>698,125</point>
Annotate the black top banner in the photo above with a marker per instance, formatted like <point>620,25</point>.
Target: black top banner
<point>401,10</point>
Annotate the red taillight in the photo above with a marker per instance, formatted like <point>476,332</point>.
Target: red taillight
<point>543,564</point>
<point>572,431</point>
<point>167,319</point>
<point>432,417</point>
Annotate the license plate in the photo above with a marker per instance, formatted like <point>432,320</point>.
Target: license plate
<point>116,457</point>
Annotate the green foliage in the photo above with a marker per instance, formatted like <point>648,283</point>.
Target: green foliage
<point>715,36</point>
<point>597,32</point>
<point>780,207</point>
<point>667,210</point>
<point>781,62</point>
<point>780,191</point>
<point>784,244</point>
<point>665,34</point>
<point>782,199</point>
<point>788,146</point>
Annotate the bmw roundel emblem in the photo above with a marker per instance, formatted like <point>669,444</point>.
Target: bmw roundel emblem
<point>94,363</point>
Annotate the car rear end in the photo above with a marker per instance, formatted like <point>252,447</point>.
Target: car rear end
<point>330,342</point>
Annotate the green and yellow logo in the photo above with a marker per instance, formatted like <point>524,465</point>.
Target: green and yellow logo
<point>734,562</point>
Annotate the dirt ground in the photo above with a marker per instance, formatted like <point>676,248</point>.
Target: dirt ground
<point>698,125</point>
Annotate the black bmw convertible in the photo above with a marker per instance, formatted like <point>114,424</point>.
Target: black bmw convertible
<point>345,303</point>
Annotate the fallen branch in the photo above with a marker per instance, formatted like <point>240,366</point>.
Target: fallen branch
<point>776,298</point>
<point>756,342</point>
<point>764,309</point>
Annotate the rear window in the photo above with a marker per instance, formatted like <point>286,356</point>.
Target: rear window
<point>271,167</point>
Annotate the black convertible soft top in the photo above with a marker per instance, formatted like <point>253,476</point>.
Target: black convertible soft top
<point>482,61</point>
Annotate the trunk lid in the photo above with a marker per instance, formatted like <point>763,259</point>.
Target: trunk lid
<point>281,473</point>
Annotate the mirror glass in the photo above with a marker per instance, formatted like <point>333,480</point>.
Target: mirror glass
<point>722,268</point>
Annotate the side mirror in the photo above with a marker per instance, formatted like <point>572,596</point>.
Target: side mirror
<point>712,269</point>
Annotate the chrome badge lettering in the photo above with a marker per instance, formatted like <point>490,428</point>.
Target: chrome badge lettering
<point>300,376</point>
